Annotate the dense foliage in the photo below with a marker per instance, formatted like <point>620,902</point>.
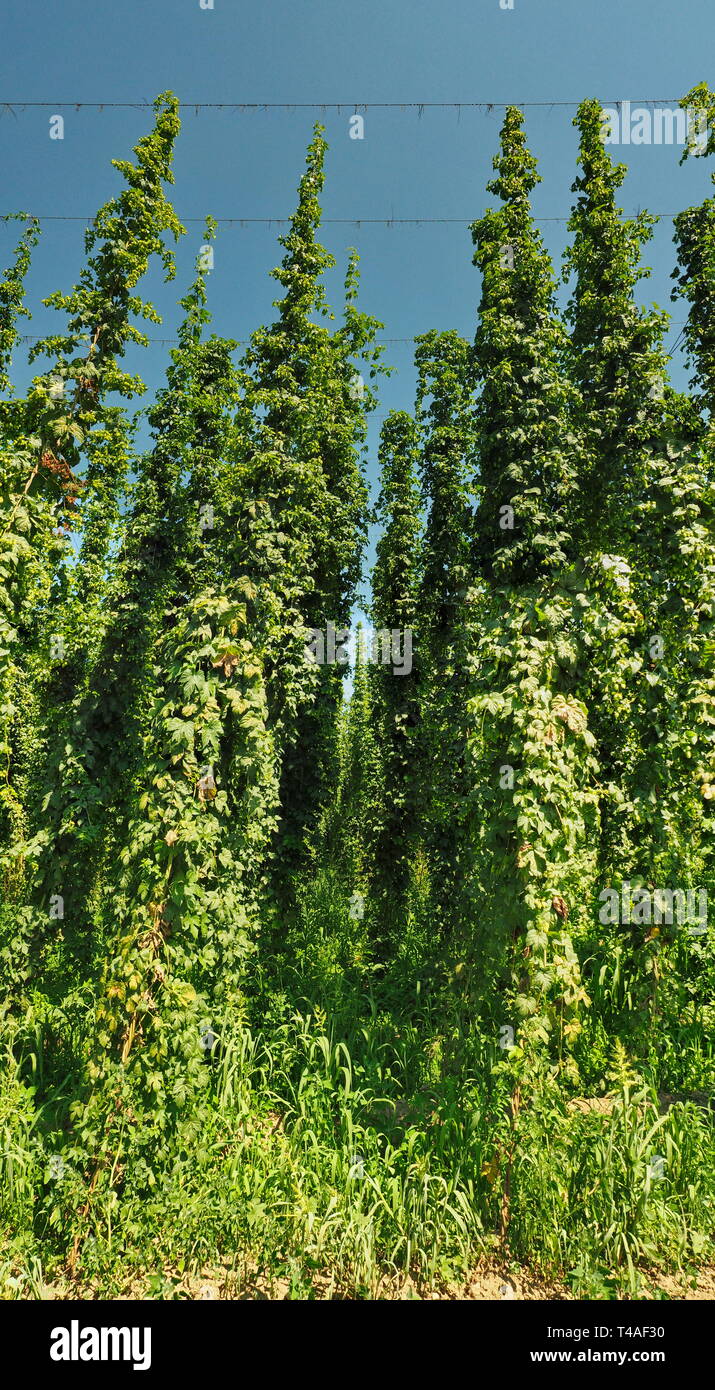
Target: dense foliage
<point>350,986</point>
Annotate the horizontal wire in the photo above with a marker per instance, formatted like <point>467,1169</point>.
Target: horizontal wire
<point>164,342</point>
<point>325,221</point>
<point>147,104</point>
<point>243,342</point>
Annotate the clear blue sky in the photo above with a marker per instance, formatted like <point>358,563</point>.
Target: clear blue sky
<point>233,164</point>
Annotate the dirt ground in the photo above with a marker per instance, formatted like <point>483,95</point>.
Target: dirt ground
<point>490,1281</point>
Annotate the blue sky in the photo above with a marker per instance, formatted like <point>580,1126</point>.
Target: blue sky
<point>436,164</point>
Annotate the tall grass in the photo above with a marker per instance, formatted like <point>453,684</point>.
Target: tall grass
<point>352,1138</point>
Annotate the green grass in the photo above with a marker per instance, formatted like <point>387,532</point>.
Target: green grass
<point>340,1153</point>
<point>356,1133</point>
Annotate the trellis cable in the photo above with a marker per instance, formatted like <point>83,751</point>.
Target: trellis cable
<point>284,221</point>
<point>483,105</point>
